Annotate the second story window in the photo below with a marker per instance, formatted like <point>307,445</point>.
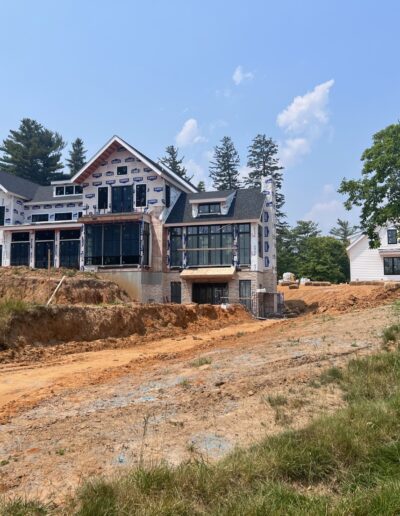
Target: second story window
<point>122,171</point>
<point>141,200</point>
<point>102,199</point>
<point>63,216</point>
<point>209,209</point>
<point>67,190</point>
<point>40,217</point>
<point>392,236</point>
<point>2,215</point>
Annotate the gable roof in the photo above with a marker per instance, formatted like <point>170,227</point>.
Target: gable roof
<point>111,146</point>
<point>247,204</point>
<point>11,183</point>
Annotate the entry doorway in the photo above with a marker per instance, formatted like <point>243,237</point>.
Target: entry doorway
<point>44,249</point>
<point>176,292</point>
<point>210,293</point>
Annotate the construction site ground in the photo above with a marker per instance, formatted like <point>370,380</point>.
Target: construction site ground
<point>195,392</point>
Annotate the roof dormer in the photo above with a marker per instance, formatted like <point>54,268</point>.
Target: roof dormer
<point>211,203</point>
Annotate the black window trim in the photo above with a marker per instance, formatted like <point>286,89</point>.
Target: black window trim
<point>392,236</point>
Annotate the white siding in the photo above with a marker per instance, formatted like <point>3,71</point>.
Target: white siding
<point>367,264</point>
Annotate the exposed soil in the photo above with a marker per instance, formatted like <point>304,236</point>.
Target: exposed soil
<point>73,416</point>
<point>339,298</point>
<point>36,286</point>
<point>36,333</point>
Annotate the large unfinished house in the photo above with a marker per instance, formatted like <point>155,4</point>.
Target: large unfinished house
<point>141,225</point>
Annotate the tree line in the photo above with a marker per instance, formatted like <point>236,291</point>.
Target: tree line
<point>35,153</point>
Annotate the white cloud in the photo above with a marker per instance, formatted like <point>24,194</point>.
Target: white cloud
<point>292,150</point>
<point>308,112</point>
<point>198,172</point>
<point>189,134</point>
<point>304,120</point>
<point>244,172</point>
<point>239,75</point>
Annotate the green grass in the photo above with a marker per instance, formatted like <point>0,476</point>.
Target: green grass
<point>391,334</point>
<point>277,401</point>
<point>345,463</point>
<point>200,362</point>
<point>8,308</point>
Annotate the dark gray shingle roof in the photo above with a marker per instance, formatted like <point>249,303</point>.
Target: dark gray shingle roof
<point>45,193</point>
<point>17,185</point>
<point>246,205</point>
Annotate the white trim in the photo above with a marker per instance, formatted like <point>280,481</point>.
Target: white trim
<point>208,200</point>
<point>44,225</point>
<point>210,222</point>
<point>115,138</point>
<point>54,201</point>
<point>358,239</point>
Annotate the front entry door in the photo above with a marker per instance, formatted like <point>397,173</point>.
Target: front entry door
<point>210,293</point>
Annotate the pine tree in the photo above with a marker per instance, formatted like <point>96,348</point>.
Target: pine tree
<point>77,156</point>
<point>201,187</point>
<point>224,167</point>
<point>263,161</point>
<point>175,164</point>
<point>33,152</point>
<point>343,231</point>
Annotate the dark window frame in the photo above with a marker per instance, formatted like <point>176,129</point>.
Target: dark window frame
<point>392,236</point>
<point>391,266</point>
<point>141,196</point>
<point>122,170</point>
<point>59,217</point>
<point>211,208</point>
<point>102,198</point>
<point>40,217</point>
<point>2,215</point>
<point>210,245</point>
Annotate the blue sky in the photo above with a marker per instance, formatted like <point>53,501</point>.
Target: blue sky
<point>319,77</point>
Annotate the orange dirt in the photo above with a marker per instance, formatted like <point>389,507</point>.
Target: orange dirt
<point>70,417</point>
<point>338,298</point>
<point>36,286</point>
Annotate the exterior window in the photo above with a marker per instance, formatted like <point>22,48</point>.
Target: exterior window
<point>40,217</point>
<point>141,191</point>
<point>2,215</point>
<point>122,198</point>
<point>260,241</point>
<point>245,293</point>
<point>122,171</point>
<point>69,248</point>
<point>176,292</point>
<point>209,245</point>
<point>44,249</point>
<point>167,196</point>
<point>244,244</point>
<point>113,244</point>
<point>175,235</point>
<point>209,209</point>
<point>102,198</point>
<point>391,266</point>
<point>63,216</point>
<point>19,249</point>
<point>146,243</point>
<point>68,190</point>
<point>392,236</point>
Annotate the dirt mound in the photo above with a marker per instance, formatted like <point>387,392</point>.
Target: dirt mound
<point>339,298</point>
<point>33,286</point>
<point>41,325</point>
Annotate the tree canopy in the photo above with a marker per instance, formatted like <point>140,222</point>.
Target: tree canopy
<point>343,231</point>
<point>224,168</point>
<point>77,156</point>
<point>378,190</point>
<point>174,163</point>
<point>201,187</point>
<point>33,152</point>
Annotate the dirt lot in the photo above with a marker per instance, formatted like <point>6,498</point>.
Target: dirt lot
<point>72,416</point>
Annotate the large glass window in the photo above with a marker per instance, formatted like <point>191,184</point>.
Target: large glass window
<point>209,245</point>
<point>19,249</point>
<point>63,216</point>
<point>260,241</point>
<point>44,249</point>
<point>146,243</point>
<point>122,197</point>
<point>167,196</point>
<point>141,191</point>
<point>2,215</point>
<point>245,293</point>
<point>114,244</point>
<point>102,198</point>
<point>68,190</point>
<point>391,266</point>
<point>175,236</point>
<point>122,171</point>
<point>244,244</point>
<point>69,248</point>
<point>40,217</point>
<point>392,236</point>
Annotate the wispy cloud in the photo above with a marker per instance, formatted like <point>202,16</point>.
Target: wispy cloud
<point>239,75</point>
<point>304,120</point>
<point>197,171</point>
<point>189,134</point>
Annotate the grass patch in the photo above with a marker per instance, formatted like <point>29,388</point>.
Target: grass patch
<point>8,308</point>
<point>331,375</point>
<point>277,401</point>
<point>351,456</point>
<point>391,334</point>
<point>200,362</point>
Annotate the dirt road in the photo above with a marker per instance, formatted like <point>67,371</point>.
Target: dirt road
<point>101,412</point>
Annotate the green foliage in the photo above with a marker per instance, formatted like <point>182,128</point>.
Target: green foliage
<point>343,231</point>
<point>324,259</point>
<point>331,375</point>
<point>33,152</point>
<point>378,191</point>
<point>224,169</point>
<point>175,164</point>
<point>262,159</point>
<point>77,156</point>
<point>201,187</point>
<point>391,334</point>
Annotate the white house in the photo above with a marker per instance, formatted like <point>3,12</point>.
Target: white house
<point>381,264</point>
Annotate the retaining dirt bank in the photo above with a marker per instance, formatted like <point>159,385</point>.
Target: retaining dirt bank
<point>40,325</point>
<point>38,289</point>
